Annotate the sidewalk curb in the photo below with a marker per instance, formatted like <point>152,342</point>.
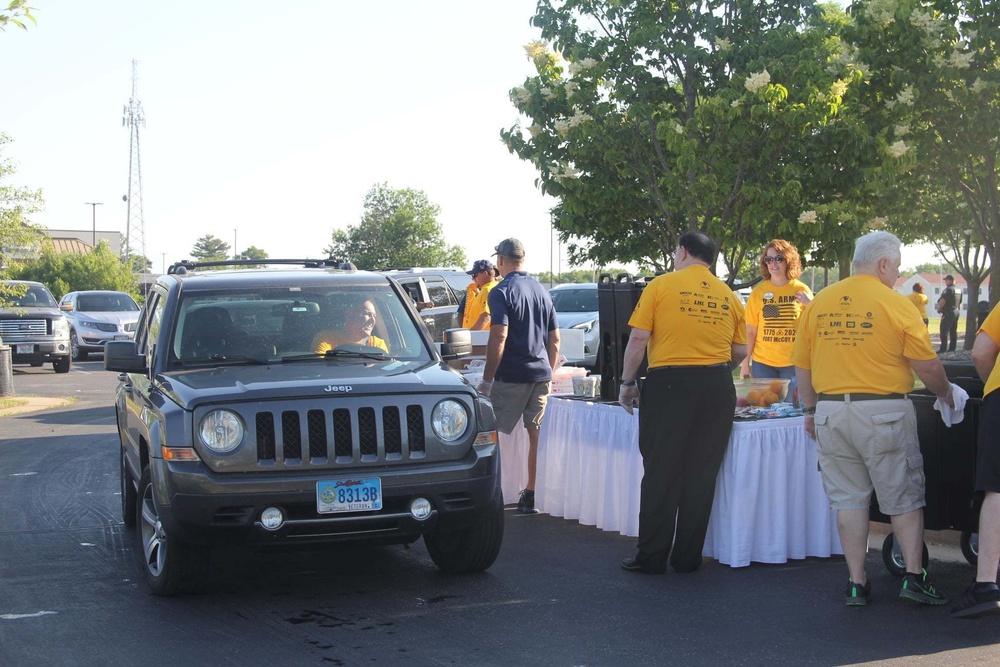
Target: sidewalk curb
<point>33,404</point>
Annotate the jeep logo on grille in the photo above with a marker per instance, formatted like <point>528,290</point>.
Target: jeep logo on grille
<point>338,388</point>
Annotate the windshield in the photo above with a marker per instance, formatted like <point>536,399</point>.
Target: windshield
<point>574,300</point>
<point>284,325</point>
<point>35,297</point>
<point>105,303</point>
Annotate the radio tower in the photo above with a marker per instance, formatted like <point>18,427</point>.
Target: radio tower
<point>132,118</point>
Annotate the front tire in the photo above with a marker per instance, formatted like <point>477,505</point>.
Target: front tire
<point>61,365</point>
<point>74,346</point>
<point>470,550</point>
<point>892,556</point>
<point>970,546</point>
<point>171,567</point>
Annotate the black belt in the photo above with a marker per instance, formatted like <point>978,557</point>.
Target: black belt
<point>693,367</point>
<point>860,397</point>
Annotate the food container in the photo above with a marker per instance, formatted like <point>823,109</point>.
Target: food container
<point>562,379</point>
<point>760,392</point>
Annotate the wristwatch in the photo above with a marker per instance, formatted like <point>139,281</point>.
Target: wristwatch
<point>628,383</point>
<point>809,411</point>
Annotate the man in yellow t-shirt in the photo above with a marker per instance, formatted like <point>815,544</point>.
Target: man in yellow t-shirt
<point>983,597</point>
<point>919,300</point>
<point>477,308</point>
<point>359,322</point>
<point>691,325</point>
<point>858,346</point>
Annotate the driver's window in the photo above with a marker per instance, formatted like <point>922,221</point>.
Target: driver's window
<point>153,332</point>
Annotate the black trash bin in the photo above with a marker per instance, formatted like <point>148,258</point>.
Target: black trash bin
<point>949,468</point>
<point>616,299</point>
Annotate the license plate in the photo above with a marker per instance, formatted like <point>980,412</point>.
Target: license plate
<point>122,337</point>
<point>25,349</point>
<point>349,495</point>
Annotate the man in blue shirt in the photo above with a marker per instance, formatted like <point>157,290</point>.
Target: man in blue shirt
<point>520,354</point>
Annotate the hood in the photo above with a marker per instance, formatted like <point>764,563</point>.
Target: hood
<point>30,313</point>
<point>121,317</point>
<point>240,383</point>
<point>570,320</point>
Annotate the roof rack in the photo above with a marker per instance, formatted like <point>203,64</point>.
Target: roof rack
<point>186,265</point>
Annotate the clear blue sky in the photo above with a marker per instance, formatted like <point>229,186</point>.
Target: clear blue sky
<point>274,119</point>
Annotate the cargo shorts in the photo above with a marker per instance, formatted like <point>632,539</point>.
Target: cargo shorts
<point>870,445</point>
<point>524,400</point>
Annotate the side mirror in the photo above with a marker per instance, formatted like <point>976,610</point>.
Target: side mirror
<point>456,343</point>
<point>123,356</point>
<point>66,306</point>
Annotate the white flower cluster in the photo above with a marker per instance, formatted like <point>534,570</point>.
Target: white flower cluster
<point>562,127</point>
<point>898,149</point>
<point>582,65</point>
<point>978,85</point>
<point>838,88</point>
<point>924,21</point>
<point>905,96</point>
<point>535,49</point>
<point>757,81</point>
<point>960,59</point>
<point>882,12</point>
<point>808,218</point>
<point>876,223</point>
<point>578,118</point>
<point>547,93</point>
<point>571,87</point>
<point>520,96</point>
<point>847,55</point>
<point>678,128</point>
<point>534,130</point>
<point>561,172</point>
<point>722,44</point>
<point>736,103</point>
<point>901,130</point>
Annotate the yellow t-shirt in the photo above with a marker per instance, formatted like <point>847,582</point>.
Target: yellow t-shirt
<point>920,301</point>
<point>694,318</point>
<point>991,327</point>
<point>857,336</point>
<point>329,340</point>
<point>478,305</point>
<point>775,313</point>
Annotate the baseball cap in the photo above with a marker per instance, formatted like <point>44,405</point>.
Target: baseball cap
<point>949,277</point>
<point>479,266</point>
<point>510,248</point>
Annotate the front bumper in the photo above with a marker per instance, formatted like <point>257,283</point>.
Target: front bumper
<point>26,353</point>
<point>94,341</point>
<point>201,507</point>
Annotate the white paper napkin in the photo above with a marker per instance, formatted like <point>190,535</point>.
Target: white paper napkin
<point>953,415</point>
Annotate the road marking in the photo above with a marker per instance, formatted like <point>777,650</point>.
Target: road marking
<point>14,617</point>
<point>25,474</point>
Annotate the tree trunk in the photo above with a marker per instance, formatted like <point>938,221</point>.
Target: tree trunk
<point>972,315</point>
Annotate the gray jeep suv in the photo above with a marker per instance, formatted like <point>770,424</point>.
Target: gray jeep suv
<point>248,412</point>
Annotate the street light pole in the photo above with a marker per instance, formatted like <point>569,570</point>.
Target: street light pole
<point>234,244</point>
<point>93,209</point>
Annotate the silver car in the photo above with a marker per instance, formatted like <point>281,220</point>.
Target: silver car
<point>97,316</point>
<point>576,308</point>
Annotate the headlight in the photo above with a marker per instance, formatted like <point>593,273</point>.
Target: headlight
<point>585,326</point>
<point>221,430</point>
<point>87,323</point>
<point>450,420</point>
<point>60,326</point>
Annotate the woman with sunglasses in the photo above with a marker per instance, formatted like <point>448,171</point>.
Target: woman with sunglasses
<point>772,314</point>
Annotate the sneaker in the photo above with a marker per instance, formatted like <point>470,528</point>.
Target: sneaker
<point>526,503</point>
<point>981,599</point>
<point>858,595</point>
<point>917,588</point>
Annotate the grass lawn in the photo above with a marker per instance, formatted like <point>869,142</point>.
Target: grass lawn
<point>11,403</point>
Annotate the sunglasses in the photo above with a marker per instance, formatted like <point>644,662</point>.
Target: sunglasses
<point>777,258</point>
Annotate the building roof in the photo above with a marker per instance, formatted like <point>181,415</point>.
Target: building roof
<point>71,246</point>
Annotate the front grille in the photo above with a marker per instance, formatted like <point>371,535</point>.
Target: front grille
<point>341,435</point>
<point>104,326</point>
<point>14,330</point>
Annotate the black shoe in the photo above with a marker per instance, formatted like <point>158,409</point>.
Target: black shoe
<point>918,588</point>
<point>981,599</point>
<point>635,565</point>
<point>858,595</point>
<point>526,503</point>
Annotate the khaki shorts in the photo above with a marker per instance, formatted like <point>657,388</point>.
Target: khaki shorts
<point>519,399</point>
<point>866,445</point>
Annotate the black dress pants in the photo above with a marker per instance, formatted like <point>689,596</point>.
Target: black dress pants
<point>685,418</point>
<point>949,331</point>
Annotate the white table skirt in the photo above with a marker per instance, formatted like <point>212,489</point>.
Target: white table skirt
<point>769,501</point>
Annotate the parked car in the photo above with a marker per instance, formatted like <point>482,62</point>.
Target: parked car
<point>434,296</point>
<point>234,430</point>
<point>576,308</point>
<point>97,316</point>
<point>34,328</point>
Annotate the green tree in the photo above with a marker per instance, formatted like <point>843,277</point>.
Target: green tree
<point>99,269</point>
<point>724,116</point>
<point>253,252</point>
<point>398,228</point>
<point>935,86</point>
<point>139,263</point>
<point>14,12</point>
<point>18,237</point>
<point>210,249</point>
